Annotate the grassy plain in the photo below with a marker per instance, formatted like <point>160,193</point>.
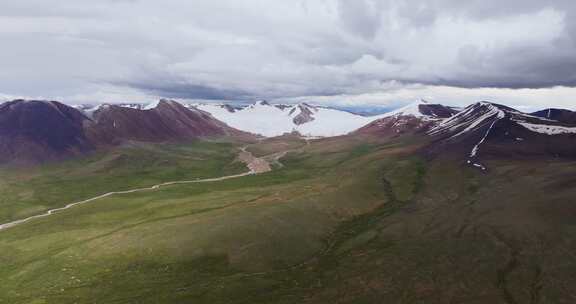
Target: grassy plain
<point>29,191</point>
<point>344,220</point>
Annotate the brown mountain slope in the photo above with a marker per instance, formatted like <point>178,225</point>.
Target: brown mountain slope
<point>561,115</point>
<point>33,131</point>
<point>168,121</point>
<point>491,131</point>
<point>37,131</point>
<point>415,118</point>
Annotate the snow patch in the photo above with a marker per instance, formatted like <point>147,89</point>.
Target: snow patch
<point>412,109</point>
<point>477,146</point>
<point>477,165</point>
<point>151,106</point>
<point>547,129</point>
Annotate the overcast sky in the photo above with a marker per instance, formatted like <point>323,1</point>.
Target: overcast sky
<point>517,52</point>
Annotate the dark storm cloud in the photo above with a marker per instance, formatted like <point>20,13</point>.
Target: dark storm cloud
<point>243,49</point>
<point>190,91</point>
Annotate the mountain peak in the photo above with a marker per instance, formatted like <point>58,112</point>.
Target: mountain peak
<point>416,109</point>
<point>492,105</point>
<point>487,129</point>
<point>470,118</point>
<point>262,103</point>
<point>36,130</point>
<point>303,113</point>
<point>168,103</point>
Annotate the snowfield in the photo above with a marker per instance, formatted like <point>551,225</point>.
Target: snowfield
<point>258,118</point>
<point>271,120</point>
<point>275,120</point>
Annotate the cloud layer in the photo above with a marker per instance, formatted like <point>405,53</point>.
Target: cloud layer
<point>250,49</point>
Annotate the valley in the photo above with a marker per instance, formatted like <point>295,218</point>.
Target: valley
<point>392,212</point>
<point>254,164</point>
<point>347,219</point>
<point>287,152</point>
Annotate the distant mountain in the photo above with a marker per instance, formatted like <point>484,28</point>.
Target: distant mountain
<point>35,131</point>
<point>89,109</point>
<point>365,110</point>
<point>166,121</point>
<point>486,130</point>
<point>561,115</point>
<point>270,120</point>
<point>32,131</point>
<point>413,118</point>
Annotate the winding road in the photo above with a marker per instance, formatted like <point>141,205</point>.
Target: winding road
<point>256,165</point>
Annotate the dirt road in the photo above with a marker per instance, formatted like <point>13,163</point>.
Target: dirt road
<point>255,165</point>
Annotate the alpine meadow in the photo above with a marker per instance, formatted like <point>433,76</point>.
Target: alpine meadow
<point>314,151</point>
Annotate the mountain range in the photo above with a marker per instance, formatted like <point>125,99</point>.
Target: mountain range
<point>488,130</point>
<point>424,204</point>
<point>35,131</point>
<point>270,120</point>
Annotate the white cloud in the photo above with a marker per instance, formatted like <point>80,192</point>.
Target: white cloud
<point>250,49</point>
<point>528,100</point>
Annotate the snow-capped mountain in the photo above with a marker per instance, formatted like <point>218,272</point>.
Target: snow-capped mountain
<point>274,120</point>
<point>422,109</point>
<point>166,121</point>
<point>481,114</point>
<point>271,120</point>
<point>485,130</point>
<point>415,117</point>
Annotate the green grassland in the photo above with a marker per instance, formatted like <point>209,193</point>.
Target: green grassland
<point>29,191</point>
<point>344,220</point>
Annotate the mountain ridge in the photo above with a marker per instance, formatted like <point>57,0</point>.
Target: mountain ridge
<point>34,131</point>
<point>480,130</point>
<point>488,130</point>
<point>416,117</point>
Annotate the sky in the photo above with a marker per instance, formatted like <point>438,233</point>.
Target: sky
<point>342,52</point>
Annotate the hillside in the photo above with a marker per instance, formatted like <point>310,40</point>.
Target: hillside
<point>560,115</point>
<point>416,117</point>
<point>344,220</point>
<point>486,130</point>
<point>33,132</point>
<point>165,121</point>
